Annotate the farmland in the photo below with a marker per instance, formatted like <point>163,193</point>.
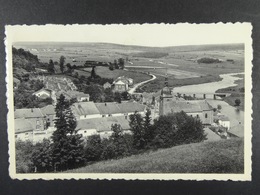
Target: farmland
<point>179,64</point>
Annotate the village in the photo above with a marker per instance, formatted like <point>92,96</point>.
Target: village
<point>96,118</point>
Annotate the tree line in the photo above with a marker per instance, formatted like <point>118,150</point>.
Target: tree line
<point>68,150</point>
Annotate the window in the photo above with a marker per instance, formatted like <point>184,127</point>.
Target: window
<point>125,116</point>
<point>103,115</point>
<point>206,115</point>
<point>110,115</point>
<point>85,131</point>
<point>37,127</point>
<point>197,116</point>
<point>37,122</point>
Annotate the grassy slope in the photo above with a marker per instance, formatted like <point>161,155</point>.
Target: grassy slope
<point>225,156</point>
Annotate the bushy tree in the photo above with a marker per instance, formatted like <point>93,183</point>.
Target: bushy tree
<point>237,102</point>
<point>189,129</point>
<point>118,140</point>
<point>67,144</point>
<point>118,97</point>
<point>93,148</point>
<point>177,129</point>
<point>136,126</point>
<point>23,156</point>
<point>42,156</point>
<point>121,63</point>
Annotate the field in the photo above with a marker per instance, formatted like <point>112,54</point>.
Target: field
<point>224,156</point>
<point>179,64</point>
<point>104,72</point>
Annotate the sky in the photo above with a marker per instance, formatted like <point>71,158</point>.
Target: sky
<point>158,35</point>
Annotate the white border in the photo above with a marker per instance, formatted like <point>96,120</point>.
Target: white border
<point>247,28</point>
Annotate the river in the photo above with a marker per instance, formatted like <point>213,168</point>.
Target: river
<point>236,117</point>
<point>228,80</point>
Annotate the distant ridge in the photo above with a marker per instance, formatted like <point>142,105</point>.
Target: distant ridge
<point>237,46</point>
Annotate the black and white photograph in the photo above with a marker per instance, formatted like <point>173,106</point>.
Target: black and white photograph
<point>134,101</point>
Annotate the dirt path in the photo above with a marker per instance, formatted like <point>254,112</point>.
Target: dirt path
<point>132,90</point>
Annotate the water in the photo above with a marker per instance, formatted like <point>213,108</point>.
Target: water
<point>227,81</point>
<point>236,117</point>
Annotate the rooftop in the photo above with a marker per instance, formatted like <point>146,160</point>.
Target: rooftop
<point>84,108</point>
<point>190,106</point>
<point>48,110</point>
<point>103,124</point>
<point>21,125</point>
<point>28,113</point>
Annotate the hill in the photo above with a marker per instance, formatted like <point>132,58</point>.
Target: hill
<point>224,156</point>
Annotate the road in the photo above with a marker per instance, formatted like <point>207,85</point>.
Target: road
<point>132,90</point>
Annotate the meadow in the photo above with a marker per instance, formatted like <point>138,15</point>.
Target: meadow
<point>191,158</point>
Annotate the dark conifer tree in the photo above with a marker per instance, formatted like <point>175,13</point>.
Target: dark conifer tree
<point>51,67</point>
<point>62,62</point>
<point>148,128</point>
<point>67,144</point>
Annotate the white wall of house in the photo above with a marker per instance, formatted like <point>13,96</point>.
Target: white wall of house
<point>87,132</point>
<point>90,116</point>
<point>206,117</point>
<point>224,124</point>
<point>42,93</point>
<point>80,99</point>
<point>24,136</point>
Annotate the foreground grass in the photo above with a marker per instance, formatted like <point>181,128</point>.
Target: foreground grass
<point>224,156</point>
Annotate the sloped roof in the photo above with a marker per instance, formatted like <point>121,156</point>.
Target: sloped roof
<point>48,110</point>
<point>84,108</point>
<point>22,125</point>
<point>211,136</point>
<point>103,124</point>
<point>126,107</point>
<point>222,118</point>
<point>108,108</point>
<point>120,82</point>
<point>190,106</point>
<point>28,113</point>
<point>237,130</point>
<point>43,89</point>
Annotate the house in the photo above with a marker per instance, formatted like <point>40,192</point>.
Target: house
<point>80,96</point>
<point>125,79</point>
<point>23,129</point>
<point>223,120</point>
<point>34,116</point>
<point>85,110</point>
<point>43,93</point>
<point>107,85</point>
<point>101,126</point>
<point>49,113</point>
<point>109,109</point>
<point>122,83</point>
<point>120,86</point>
<point>90,110</point>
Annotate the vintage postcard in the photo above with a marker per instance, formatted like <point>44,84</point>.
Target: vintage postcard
<point>150,101</point>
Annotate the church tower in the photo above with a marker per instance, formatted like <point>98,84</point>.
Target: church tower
<point>166,95</point>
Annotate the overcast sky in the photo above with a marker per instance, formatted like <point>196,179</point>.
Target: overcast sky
<point>145,35</point>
